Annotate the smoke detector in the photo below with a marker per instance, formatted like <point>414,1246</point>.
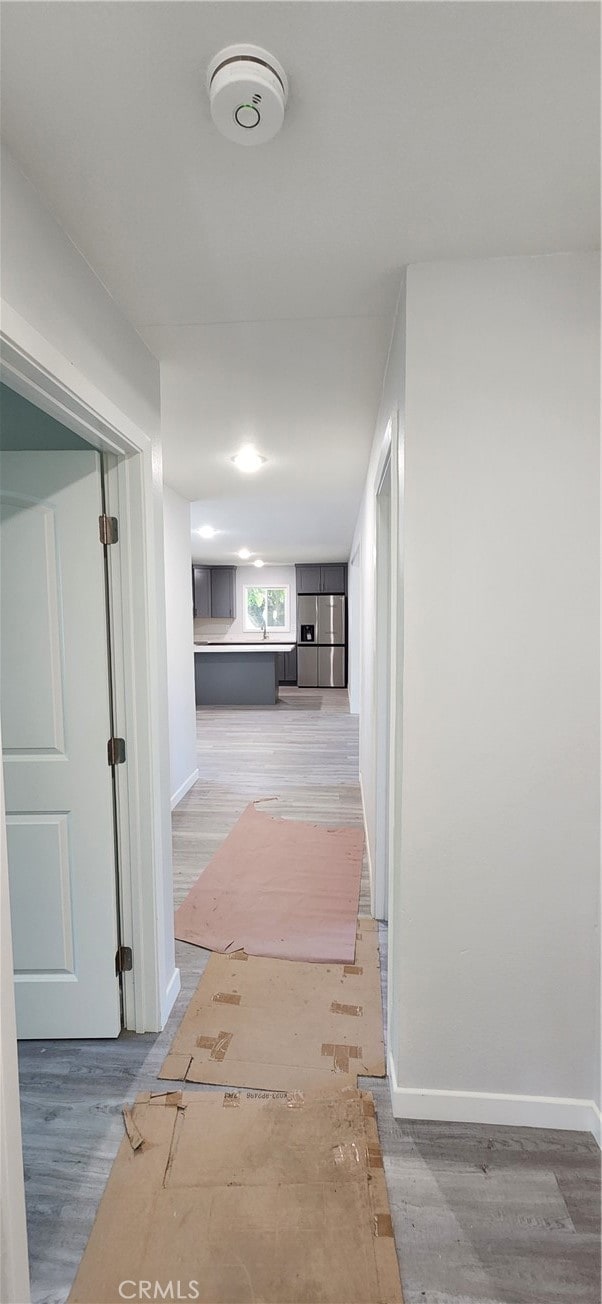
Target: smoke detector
<point>248,90</point>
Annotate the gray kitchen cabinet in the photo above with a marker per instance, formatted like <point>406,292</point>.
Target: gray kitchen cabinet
<point>286,664</point>
<point>290,666</point>
<point>330,578</point>
<point>201,591</point>
<point>223,592</point>
<point>214,592</point>
<point>308,579</point>
<point>333,578</point>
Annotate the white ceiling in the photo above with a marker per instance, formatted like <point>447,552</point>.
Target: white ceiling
<point>265,279</point>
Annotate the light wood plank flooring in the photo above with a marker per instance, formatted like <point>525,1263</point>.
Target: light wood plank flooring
<point>482,1215</point>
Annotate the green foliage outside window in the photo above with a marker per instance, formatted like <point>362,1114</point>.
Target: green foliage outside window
<point>266,606</point>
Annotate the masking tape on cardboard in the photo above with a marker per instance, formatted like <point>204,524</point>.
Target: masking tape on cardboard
<point>295,1099</point>
<point>383,1224</point>
<point>341,1055</point>
<point>222,1041</point>
<point>217,1046</point>
<point>347,1154</point>
<point>354,1010</point>
<point>205,1043</point>
<point>226,998</point>
<point>352,970</point>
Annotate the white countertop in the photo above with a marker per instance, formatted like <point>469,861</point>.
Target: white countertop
<point>244,647</point>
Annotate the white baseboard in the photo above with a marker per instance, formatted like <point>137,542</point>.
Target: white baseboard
<point>170,996</point>
<point>596,1127</point>
<point>367,841</point>
<point>493,1108</point>
<point>184,788</point>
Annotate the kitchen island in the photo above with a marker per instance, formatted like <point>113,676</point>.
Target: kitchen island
<point>237,674</point>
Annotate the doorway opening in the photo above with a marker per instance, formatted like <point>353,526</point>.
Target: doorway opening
<point>57,704</point>
<point>382,713</point>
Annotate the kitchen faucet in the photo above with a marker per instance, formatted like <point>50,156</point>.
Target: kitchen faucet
<point>265,632</point>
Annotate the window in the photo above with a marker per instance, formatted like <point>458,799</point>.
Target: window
<point>267,607</point>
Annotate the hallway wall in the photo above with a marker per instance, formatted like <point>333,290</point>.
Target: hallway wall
<point>497,846</point>
<point>61,311</point>
<point>46,280</point>
<point>180,656</point>
<point>500,805</point>
<point>362,588</point>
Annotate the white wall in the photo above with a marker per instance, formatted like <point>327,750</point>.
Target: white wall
<point>49,283</point>
<point>362,573</point>
<point>497,843</point>
<point>500,797</point>
<point>233,631</point>
<point>63,313</point>
<point>180,655</point>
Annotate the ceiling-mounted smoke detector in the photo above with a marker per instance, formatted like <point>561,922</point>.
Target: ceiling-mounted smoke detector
<point>248,90</point>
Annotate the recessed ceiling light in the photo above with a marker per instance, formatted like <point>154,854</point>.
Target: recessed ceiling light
<point>248,459</point>
<point>206,531</point>
<point>259,562</point>
<point>244,554</point>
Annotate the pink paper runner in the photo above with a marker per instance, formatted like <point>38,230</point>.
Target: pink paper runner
<point>281,888</point>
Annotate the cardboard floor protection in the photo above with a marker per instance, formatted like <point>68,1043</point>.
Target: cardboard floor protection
<point>280,1025</point>
<point>282,888</point>
<point>228,1199</point>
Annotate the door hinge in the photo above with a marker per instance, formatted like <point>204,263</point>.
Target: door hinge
<point>123,959</point>
<point>116,751</point>
<point>108,528</point>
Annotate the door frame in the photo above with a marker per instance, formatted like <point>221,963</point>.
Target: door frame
<point>382,684</point>
<point>32,367</point>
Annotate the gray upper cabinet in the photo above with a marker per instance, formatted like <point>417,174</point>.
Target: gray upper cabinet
<point>330,578</point>
<point>334,578</point>
<point>214,592</point>
<point>308,579</point>
<point>223,592</point>
<point>201,591</point>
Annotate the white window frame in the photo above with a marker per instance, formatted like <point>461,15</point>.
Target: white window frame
<point>248,625</point>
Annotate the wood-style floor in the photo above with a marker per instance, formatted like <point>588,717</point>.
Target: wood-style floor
<point>481,1215</point>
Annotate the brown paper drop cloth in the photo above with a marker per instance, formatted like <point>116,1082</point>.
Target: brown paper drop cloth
<point>235,1200</point>
<point>279,1025</point>
<point>281,888</point>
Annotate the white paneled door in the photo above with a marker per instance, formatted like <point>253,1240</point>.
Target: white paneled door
<point>54,700</point>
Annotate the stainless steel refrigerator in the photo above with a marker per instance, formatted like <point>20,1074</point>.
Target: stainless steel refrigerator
<point>321,641</point>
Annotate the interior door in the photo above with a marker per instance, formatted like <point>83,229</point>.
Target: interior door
<point>54,699</point>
